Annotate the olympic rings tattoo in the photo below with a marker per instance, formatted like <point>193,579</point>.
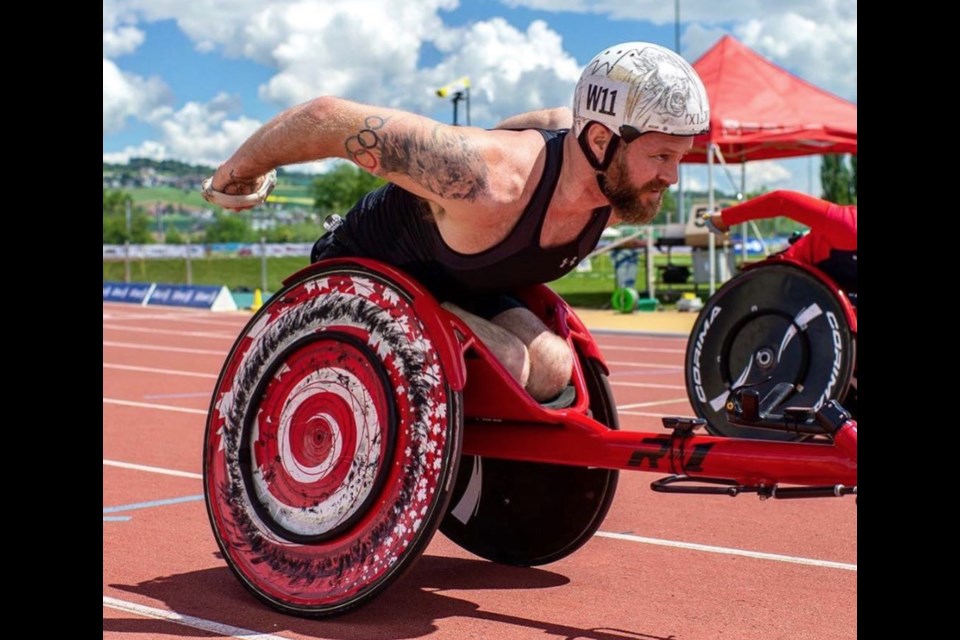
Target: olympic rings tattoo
<point>360,146</point>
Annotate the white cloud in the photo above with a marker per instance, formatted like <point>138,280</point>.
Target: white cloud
<point>770,173</point>
<point>349,48</point>
<point>371,50</point>
<point>148,149</point>
<point>126,95</point>
<point>799,174</point>
<point>120,41</point>
<point>816,39</point>
<point>510,70</point>
<point>203,133</point>
<point>339,48</point>
<point>824,55</point>
<point>710,11</point>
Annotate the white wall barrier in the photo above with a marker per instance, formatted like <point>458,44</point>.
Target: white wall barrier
<point>158,251</point>
<point>215,298</point>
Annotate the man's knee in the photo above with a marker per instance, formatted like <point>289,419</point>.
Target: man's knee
<point>551,365</point>
<point>516,359</point>
<point>505,346</point>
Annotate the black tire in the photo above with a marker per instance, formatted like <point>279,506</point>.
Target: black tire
<point>774,323</point>
<point>331,443</point>
<point>528,513</point>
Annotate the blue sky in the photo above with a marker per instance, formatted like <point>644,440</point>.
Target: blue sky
<point>191,79</point>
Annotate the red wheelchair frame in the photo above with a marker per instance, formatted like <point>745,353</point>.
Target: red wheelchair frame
<point>579,441</point>
<point>333,447</point>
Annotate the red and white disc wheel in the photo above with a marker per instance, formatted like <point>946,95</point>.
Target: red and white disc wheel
<point>330,443</point>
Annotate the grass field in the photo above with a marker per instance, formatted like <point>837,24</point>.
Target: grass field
<point>148,197</point>
<point>591,289</point>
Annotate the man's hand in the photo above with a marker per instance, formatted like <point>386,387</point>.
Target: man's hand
<point>239,194</point>
<point>714,223</point>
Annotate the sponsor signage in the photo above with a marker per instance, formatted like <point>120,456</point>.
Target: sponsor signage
<point>215,298</point>
<point>200,297</point>
<point>135,292</point>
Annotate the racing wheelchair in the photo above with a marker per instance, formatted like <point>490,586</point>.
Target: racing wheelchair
<point>354,417</point>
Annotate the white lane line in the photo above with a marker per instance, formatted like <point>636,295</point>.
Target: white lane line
<point>170,372</point>
<point>666,367</point>
<point>602,534</point>
<point>153,503</point>
<point>612,347</point>
<point>225,319</point>
<point>201,319</point>
<point>188,621</point>
<point>148,469</point>
<point>146,405</point>
<point>173,332</point>
<point>637,405</point>
<point>648,415</point>
<point>185,394</point>
<point>730,552</point>
<point>134,345</point>
<point>637,333</point>
<point>646,385</point>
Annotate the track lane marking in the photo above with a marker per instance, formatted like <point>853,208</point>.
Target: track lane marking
<point>650,365</point>
<point>644,414</point>
<point>729,551</point>
<point>646,385</point>
<point>147,405</point>
<point>150,347</point>
<point>612,347</point>
<point>652,403</point>
<point>188,621</point>
<point>149,469</point>
<point>172,332</point>
<point>152,503</point>
<point>168,372</point>
<point>692,546</point>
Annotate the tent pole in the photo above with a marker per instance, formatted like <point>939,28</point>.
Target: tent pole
<point>681,211</point>
<point>743,195</point>
<point>711,206</point>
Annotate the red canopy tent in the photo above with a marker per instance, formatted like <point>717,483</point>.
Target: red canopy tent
<point>759,111</point>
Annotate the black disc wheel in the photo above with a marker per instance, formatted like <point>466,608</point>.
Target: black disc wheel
<point>527,513</point>
<point>331,442</point>
<point>775,323</point>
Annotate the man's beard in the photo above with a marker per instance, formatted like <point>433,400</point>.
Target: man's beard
<point>629,202</point>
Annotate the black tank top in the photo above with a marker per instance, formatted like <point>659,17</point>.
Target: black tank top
<point>395,226</point>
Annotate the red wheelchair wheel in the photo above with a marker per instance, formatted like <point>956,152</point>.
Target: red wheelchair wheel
<point>330,444</point>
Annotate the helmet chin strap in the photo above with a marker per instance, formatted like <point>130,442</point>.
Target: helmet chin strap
<point>599,165</point>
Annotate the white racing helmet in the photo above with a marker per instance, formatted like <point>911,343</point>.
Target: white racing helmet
<point>637,87</point>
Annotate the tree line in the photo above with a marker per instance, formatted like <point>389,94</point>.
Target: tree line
<point>333,192</point>
<point>838,179</point>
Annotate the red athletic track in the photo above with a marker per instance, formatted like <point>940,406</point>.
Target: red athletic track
<point>163,576</point>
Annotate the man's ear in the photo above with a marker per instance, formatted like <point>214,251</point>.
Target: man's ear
<point>598,137</point>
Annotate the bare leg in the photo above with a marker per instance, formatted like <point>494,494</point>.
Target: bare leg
<point>551,360</point>
<point>537,358</point>
<point>506,346</point>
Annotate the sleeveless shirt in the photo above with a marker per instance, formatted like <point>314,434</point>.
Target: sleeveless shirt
<point>395,226</point>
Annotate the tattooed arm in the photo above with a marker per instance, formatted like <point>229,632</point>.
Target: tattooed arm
<point>441,163</point>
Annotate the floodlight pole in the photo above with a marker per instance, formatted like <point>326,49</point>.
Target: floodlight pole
<point>456,98</point>
<point>681,212</point>
<point>457,90</point>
